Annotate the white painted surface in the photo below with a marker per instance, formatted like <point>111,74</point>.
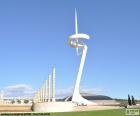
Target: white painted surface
<point>53,107</point>
<point>49,79</point>
<point>53,84</point>
<point>75,41</point>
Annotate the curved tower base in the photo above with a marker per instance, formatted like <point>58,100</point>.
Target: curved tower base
<point>78,99</point>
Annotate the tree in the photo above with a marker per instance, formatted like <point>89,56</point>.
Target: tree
<point>19,101</point>
<point>13,101</point>
<point>129,100</point>
<point>26,101</point>
<point>133,101</point>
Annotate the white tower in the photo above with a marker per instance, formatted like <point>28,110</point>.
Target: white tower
<point>53,84</point>
<point>75,41</point>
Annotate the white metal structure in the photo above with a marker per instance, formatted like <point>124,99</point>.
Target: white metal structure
<point>46,93</point>
<point>75,41</point>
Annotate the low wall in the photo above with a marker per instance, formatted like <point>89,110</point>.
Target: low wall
<point>106,102</point>
<point>15,108</point>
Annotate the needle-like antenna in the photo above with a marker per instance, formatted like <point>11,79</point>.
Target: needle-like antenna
<point>76,23</point>
<point>76,29</point>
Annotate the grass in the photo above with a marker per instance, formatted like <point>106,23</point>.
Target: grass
<point>116,112</point>
<point>93,113</point>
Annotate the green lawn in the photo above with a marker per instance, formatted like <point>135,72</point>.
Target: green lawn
<point>92,113</point>
<point>118,112</point>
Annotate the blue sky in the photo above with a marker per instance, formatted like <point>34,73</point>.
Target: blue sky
<point>34,37</point>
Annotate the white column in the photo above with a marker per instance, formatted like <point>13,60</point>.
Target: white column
<point>34,98</point>
<point>43,93</point>
<point>40,91</point>
<point>48,84</point>
<point>38,94</point>
<point>53,84</point>
<point>38,97</point>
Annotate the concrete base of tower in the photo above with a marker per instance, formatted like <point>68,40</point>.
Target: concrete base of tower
<point>78,99</point>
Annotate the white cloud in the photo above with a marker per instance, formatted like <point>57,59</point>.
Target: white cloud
<point>26,91</point>
<point>19,90</point>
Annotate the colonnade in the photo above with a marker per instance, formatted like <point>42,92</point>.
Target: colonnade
<point>46,93</point>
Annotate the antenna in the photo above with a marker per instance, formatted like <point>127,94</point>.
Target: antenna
<point>76,29</point>
<point>76,23</point>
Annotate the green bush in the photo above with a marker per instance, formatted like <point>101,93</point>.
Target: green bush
<point>26,101</point>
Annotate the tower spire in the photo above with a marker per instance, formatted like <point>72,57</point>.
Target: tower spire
<point>76,23</point>
<point>76,28</point>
